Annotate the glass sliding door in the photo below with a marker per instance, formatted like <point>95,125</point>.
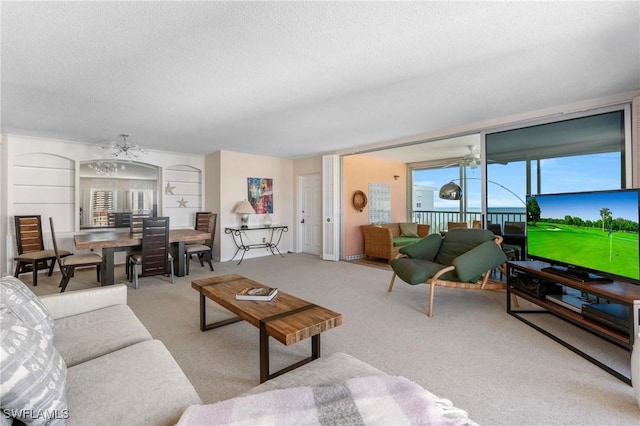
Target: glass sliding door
<point>429,208</point>
<point>574,155</point>
<point>580,154</point>
<point>506,191</point>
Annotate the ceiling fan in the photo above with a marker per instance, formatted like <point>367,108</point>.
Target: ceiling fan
<point>471,159</point>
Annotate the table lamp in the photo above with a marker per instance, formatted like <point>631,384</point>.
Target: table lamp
<point>244,209</point>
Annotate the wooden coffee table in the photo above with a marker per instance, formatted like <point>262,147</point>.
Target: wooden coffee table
<point>287,318</point>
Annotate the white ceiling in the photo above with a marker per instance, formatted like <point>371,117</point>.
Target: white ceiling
<point>454,149</point>
<point>295,79</point>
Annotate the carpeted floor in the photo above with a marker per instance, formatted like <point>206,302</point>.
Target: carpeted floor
<point>471,351</point>
<point>375,263</point>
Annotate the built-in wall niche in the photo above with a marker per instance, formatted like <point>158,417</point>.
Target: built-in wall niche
<point>109,189</point>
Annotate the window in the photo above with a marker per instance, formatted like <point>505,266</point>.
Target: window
<point>579,154</point>
<point>429,208</point>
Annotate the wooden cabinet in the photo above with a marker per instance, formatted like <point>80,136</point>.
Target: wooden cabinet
<point>529,280</point>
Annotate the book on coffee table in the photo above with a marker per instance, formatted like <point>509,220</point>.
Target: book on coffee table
<point>257,293</point>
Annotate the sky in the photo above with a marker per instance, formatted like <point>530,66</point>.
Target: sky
<point>587,206</point>
<point>558,175</point>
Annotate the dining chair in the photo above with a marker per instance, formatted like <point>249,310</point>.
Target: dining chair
<point>515,228</point>
<point>205,221</point>
<point>135,223</point>
<point>154,258</point>
<point>135,227</point>
<point>32,256</point>
<point>515,236</point>
<point>452,225</point>
<point>120,220</point>
<point>202,224</point>
<point>69,263</point>
<point>495,228</point>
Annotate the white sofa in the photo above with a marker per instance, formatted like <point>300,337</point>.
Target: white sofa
<point>98,365</point>
<point>116,373</point>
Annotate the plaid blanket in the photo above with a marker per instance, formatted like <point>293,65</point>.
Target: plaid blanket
<point>373,400</point>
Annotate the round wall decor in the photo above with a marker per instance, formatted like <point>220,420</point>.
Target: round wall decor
<point>359,200</point>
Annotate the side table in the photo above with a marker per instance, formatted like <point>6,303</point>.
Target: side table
<point>238,233</point>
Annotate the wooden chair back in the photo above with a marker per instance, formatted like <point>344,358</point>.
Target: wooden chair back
<point>120,220</point>
<point>136,222</point>
<point>31,255</point>
<point>155,246</point>
<point>202,221</point>
<point>476,224</point>
<point>495,228</point>
<point>452,225</point>
<point>29,233</point>
<point>514,228</point>
<point>212,220</point>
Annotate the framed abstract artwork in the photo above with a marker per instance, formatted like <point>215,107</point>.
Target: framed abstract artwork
<point>260,194</point>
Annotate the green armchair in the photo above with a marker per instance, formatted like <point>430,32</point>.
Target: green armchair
<point>464,258</point>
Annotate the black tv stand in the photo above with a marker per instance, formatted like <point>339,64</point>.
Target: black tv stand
<point>581,276</point>
<point>622,333</point>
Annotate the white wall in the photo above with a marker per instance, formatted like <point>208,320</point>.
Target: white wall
<point>227,177</point>
<point>234,169</point>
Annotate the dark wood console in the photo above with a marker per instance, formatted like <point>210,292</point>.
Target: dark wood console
<point>538,282</point>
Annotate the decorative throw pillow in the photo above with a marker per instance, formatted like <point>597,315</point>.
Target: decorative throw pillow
<point>33,375</point>
<point>18,299</point>
<point>408,229</point>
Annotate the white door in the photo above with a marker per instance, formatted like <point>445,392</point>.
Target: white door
<point>310,214</point>
<point>330,218</point>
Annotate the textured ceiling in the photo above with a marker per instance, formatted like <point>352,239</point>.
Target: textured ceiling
<point>294,79</point>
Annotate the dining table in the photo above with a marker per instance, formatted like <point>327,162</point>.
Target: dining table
<point>112,241</point>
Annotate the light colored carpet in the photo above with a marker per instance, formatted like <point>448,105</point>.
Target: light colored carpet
<point>471,351</point>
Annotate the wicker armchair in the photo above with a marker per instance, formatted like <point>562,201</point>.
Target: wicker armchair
<point>384,241</point>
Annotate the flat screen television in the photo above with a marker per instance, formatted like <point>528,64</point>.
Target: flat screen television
<point>591,236</point>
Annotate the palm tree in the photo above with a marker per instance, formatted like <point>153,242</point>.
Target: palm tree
<point>605,214</point>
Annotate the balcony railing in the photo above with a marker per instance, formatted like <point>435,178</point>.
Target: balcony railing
<point>439,219</point>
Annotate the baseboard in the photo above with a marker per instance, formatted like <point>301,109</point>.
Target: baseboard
<point>355,257</point>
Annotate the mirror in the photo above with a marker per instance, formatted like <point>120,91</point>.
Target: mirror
<point>110,190</point>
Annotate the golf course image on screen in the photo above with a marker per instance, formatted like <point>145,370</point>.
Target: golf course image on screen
<point>597,231</point>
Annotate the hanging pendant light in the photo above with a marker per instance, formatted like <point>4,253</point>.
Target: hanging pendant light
<point>124,150</point>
